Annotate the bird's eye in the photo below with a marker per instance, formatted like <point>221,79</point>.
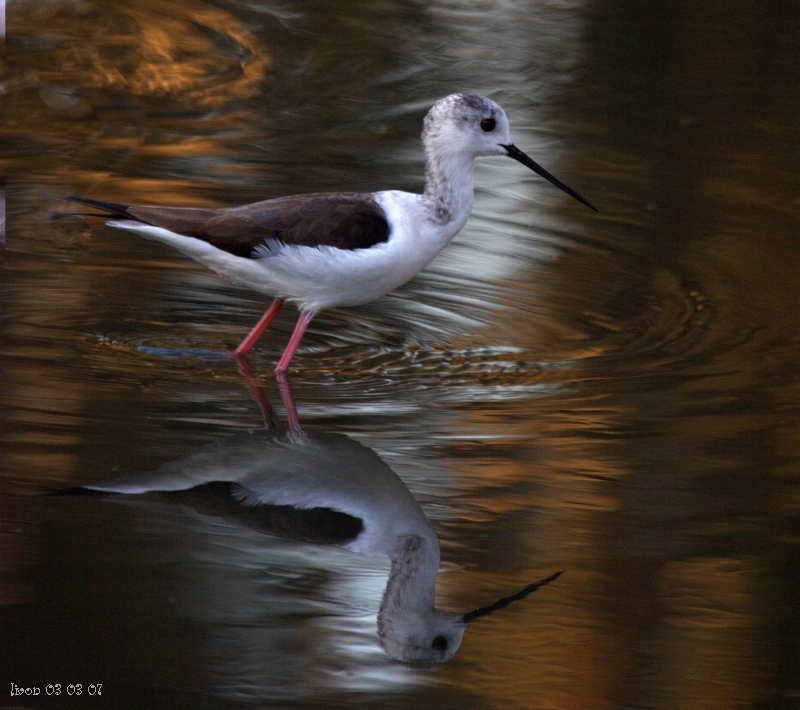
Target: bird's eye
<point>439,643</point>
<point>488,124</point>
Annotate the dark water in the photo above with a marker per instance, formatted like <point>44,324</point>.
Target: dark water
<point>612,395</point>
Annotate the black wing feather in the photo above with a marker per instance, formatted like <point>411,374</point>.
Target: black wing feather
<point>340,220</point>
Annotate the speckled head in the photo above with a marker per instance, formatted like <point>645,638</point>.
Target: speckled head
<point>466,123</point>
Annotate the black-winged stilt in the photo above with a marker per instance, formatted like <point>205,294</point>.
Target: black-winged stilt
<point>339,249</point>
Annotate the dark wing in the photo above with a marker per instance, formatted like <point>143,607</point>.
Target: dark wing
<point>341,220</point>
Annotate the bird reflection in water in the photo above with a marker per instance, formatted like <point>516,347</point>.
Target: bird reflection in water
<point>321,488</point>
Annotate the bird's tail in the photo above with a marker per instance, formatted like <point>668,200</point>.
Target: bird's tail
<point>115,209</point>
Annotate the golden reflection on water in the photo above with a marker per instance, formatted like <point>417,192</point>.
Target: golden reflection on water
<point>654,433</point>
<point>156,51</point>
<point>161,49</point>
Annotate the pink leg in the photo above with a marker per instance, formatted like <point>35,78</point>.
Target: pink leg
<point>294,341</point>
<point>252,337</point>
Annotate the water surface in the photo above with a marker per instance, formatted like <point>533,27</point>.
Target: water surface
<point>613,395</point>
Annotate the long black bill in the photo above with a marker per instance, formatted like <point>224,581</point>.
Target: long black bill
<point>513,152</point>
<point>505,601</point>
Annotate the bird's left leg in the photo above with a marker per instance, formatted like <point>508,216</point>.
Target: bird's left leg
<point>252,337</point>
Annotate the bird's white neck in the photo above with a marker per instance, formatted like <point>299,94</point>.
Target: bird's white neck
<point>448,187</point>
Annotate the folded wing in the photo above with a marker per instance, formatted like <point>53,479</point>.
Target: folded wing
<point>340,220</point>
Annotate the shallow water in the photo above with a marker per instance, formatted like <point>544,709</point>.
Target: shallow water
<point>614,395</point>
